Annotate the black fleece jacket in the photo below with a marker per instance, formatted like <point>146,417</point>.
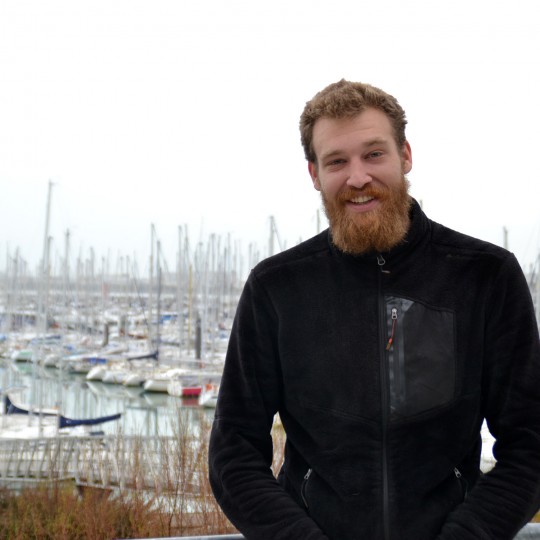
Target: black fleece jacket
<point>382,368</point>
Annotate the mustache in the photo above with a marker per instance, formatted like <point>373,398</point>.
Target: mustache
<point>349,193</point>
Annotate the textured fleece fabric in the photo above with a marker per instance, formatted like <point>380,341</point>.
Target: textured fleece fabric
<point>382,368</point>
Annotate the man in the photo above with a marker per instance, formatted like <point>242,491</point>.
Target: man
<point>383,343</point>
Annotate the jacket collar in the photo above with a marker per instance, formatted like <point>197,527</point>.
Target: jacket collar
<point>419,226</point>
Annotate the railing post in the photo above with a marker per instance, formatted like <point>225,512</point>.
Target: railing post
<point>531,531</point>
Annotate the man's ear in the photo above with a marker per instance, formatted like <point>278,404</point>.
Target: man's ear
<point>406,157</point>
<point>313,172</point>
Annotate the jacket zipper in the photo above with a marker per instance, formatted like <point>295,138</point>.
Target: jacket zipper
<point>462,483</point>
<point>304,487</point>
<point>385,400</point>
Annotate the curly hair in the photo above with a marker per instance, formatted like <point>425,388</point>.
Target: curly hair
<point>346,99</point>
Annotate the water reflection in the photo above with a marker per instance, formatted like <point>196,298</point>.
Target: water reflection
<point>143,413</point>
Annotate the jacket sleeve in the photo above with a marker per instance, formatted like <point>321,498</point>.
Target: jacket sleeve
<point>507,497</point>
<point>240,452</point>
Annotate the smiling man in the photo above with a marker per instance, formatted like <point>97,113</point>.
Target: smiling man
<point>361,176</point>
<point>383,343</point>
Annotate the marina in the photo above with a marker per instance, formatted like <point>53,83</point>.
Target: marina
<point>101,360</point>
<point>56,424</point>
<point>108,379</point>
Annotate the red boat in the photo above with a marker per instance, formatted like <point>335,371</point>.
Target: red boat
<point>191,391</point>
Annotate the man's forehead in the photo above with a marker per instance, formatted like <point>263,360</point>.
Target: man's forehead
<point>368,131</point>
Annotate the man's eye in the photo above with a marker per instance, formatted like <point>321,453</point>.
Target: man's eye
<point>336,162</point>
<point>375,154</point>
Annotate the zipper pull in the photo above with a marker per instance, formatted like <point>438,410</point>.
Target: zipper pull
<point>394,322</point>
<point>457,472</point>
<point>381,262</point>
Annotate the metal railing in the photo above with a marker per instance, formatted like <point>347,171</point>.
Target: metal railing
<point>99,461</point>
<point>529,532</point>
<point>219,537</point>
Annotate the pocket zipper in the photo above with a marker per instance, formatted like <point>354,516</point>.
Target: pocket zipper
<point>462,482</point>
<point>304,485</point>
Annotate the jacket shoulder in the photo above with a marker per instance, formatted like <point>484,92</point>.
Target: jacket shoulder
<point>455,244</point>
<point>304,252</point>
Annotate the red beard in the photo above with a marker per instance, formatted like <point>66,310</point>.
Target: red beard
<point>379,230</point>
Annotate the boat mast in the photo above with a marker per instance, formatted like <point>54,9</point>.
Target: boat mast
<point>43,307</point>
<point>44,297</point>
<point>274,233</point>
<point>158,301</point>
<point>151,288</point>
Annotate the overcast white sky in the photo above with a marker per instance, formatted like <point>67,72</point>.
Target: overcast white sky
<point>186,112</point>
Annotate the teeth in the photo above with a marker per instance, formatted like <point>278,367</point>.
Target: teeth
<point>361,200</point>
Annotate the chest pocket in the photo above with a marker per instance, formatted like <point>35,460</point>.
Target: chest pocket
<point>420,350</point>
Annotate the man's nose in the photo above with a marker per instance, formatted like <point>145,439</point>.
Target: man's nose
<point>358,174</point>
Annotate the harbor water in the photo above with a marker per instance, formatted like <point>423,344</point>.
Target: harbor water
<point>142,413</point>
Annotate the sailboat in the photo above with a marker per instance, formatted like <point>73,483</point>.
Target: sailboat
<point>22,421</point>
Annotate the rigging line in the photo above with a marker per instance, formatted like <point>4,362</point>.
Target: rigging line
<point>534,237</point>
